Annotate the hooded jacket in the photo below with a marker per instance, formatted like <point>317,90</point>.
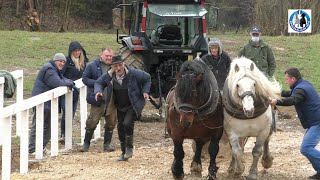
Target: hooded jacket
<point>69,70</point>
<point>220,65</point>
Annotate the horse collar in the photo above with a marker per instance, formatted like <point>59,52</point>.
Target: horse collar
<point>236,111</point>
<point>207,108</point>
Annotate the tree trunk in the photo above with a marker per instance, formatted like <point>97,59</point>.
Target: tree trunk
<point>64,25</point>
<point>124,17</point>
<point>17,7</point>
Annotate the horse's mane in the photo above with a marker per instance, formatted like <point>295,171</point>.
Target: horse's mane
<point>188,71</point>
<point>241,67</point>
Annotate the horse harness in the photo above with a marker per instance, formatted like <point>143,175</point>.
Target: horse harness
<point>236,110</point>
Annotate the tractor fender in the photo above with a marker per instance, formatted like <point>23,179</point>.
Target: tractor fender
<point>128,42</point>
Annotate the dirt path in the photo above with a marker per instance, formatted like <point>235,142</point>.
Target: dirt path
<point>153,157</point>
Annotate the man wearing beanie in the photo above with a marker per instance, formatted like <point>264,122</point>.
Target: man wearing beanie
<point>49,77</point>
<point>130,88</point>
<point>218,61</point>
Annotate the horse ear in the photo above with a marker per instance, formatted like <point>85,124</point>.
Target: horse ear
<point>237,68</point>
<point>178,76</point>
<point>251,66</point>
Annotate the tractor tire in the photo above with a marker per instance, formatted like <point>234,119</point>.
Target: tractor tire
<point>131,58</point>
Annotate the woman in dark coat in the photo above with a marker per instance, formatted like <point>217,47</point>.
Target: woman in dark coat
<point>73,69</point>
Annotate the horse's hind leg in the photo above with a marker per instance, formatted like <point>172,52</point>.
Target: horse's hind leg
<point>213,152</point>
<point>267,158</point>
<point>196,167</point>
<point>177,165</point>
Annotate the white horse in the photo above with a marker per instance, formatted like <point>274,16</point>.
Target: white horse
<point>248,114</point>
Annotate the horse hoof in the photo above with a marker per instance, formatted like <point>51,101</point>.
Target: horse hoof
<point>196,169</point>
<point>178,178</point>
<point>252,177</point>
<point>230,170</point>
<point>212,176</point>
<point>267,162</point>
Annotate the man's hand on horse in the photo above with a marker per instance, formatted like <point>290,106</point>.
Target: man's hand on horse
<point>273,102</point>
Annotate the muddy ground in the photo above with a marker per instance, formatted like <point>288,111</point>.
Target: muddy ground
<point>153,157</point>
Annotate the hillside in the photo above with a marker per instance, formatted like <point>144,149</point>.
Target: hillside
<point>30,50</point>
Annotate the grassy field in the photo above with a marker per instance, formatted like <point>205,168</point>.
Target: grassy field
<point>30,50</point>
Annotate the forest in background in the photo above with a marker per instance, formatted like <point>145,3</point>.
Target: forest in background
<point>95,15</point>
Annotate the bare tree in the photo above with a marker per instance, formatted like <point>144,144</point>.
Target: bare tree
<point>64,25</point>
<point>124,17</point>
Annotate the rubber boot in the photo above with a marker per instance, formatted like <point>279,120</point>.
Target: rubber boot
<point>87,139</point>
<point>129,147</point>
<point>107,141</point>
<point>123,149</point>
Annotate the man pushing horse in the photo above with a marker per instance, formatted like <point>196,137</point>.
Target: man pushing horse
<point>306,100</point>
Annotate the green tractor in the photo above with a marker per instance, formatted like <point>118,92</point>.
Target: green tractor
<point>162,34</point>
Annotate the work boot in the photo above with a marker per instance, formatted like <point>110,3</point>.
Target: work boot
<point>62,139</point>
<point>87,139</point>
<point>107,141</point>
<point>129,147</point>
<point>123,150</point>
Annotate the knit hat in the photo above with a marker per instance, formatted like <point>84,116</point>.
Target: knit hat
<point>59,57</point>
<point>116,59</point>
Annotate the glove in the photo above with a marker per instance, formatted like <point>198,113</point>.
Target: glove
<point>74,88</point>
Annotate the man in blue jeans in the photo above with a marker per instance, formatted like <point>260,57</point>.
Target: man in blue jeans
<point>307,103</point>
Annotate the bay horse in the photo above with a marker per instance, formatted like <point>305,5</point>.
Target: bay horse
<point>194,111</point>
<point>247,113</point>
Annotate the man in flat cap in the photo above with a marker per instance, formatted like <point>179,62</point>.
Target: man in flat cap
<point>130,88</point>
<point>49,77</point>
<point>259,52</point>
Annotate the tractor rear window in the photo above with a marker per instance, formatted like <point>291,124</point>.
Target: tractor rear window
<point>185,10</point>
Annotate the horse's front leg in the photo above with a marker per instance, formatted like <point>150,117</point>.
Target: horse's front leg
<point>236,166</point>
<point>196,167</point>
<point>213,152</point>
<point>267,158</point>
<point>177,165</point>
<point>256,154</point>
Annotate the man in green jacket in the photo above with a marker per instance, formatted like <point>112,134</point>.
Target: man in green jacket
<point>259,52</point>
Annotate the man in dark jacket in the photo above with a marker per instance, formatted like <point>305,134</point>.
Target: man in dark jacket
<point>73,69</point>
<point>259,52</point>
<point>93,71</point>
<point>130,89</point>
<point>48,78</point>
<point>306,100</point>
<point>218,61</point>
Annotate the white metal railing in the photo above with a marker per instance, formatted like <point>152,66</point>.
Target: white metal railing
<point>21,110</point>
